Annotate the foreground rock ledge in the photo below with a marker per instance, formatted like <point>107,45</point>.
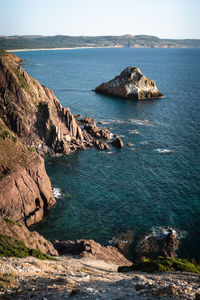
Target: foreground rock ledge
<point>131,83</point>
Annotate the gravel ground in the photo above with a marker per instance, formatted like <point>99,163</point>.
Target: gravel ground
<point>75,278</point>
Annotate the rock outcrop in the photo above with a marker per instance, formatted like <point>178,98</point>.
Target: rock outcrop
<point>25,189</point>
<point>36,116</point>
<point>91,249</point>
<point>118,143</point>
<point>32,240</point>
<point>131,83</point>
<point>150,246</point>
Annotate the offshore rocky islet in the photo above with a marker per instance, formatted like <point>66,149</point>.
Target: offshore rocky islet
<point>132,84</point>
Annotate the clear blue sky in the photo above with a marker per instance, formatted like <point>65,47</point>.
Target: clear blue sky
<point>163,18</point>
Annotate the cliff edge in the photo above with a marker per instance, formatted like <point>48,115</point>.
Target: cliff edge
<point>34,114</point>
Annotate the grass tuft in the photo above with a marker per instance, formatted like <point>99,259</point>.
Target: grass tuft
<point>31,149</point>
<point>10,246</point>
<point>8,220</point>
<point>23,82</point>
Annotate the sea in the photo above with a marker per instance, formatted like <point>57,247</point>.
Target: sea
<point>147,187</point>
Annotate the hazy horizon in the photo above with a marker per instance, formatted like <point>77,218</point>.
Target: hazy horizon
<point>172,19</point>
<point>50,35</point>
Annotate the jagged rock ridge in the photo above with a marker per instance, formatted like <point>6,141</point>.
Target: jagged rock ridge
<point>35,115</point>
<point>131,83</point>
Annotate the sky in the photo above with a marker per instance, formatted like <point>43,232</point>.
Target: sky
<point>162,18</point>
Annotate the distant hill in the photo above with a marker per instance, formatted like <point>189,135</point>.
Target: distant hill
<point>64,41</point>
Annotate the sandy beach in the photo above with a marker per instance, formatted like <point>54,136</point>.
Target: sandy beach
<point>74,48</point>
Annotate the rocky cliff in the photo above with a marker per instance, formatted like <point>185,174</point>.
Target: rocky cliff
<point>35,115</point>
<point>25,188</point>
<point>33,123</point>
<point>131,83</point>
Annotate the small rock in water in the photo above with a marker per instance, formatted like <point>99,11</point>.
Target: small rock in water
<point>130,144</point>
<point>118,143</point>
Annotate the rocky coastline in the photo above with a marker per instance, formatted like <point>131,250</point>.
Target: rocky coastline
<point>33,123</point>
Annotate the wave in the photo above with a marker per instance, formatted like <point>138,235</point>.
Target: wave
<point>160,150</point>
<point>134,131</point>
<point>160,232</point>
<point>144,143</point>
<point>58,193</point>
<point>141,122</point>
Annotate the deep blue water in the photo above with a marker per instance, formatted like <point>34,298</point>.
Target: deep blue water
<point>137,187</point>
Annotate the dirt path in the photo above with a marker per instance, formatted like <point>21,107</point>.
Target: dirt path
<point>75,278</point>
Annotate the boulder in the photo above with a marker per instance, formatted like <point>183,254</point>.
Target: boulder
<point>152,246</point>
<point>118,143</point>
<point>91,249</point>
<point>102,145</point>
<point>131,83</point>
<point>87,120</point>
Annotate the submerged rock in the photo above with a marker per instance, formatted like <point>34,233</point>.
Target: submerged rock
<point>131,83</point>
<point>118,143</point>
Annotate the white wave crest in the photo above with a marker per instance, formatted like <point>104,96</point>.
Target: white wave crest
<point>160,150</point>
<point>144,143</point>
<point>134,131</point>
<point>160,232</point>
<point>57,192</point>
<point>141,122</point>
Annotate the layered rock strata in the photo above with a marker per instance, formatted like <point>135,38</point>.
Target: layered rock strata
<point>36,116</point>
<point>131,83</point>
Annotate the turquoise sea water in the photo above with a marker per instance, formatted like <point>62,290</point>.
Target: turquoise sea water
<point>155,183</point>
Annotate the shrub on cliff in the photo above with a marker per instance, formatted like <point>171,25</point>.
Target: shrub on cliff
<point>162,264</point>
<point>10,246</point>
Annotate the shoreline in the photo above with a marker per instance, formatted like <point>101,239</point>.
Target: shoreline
<point>105,47</point>
<point>73,48</point>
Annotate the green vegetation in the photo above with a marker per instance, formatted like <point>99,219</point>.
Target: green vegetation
<point>23,82</point>
<point>31,149</point>
<point>14,139</point>
<point>162,264</point>
<point>10,246</point>
<point>5,134</point>
<point>8,220</point>
<point>63,41</point>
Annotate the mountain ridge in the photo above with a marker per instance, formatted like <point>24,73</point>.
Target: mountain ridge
<point>66,41</point>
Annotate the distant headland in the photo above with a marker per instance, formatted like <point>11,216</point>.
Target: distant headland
<point>33,42</point>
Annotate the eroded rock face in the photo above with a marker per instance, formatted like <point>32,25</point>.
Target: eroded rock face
<point>26,194</point>
<point>36,116</point>
<point>131,83</point>
<point>91,249</point>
